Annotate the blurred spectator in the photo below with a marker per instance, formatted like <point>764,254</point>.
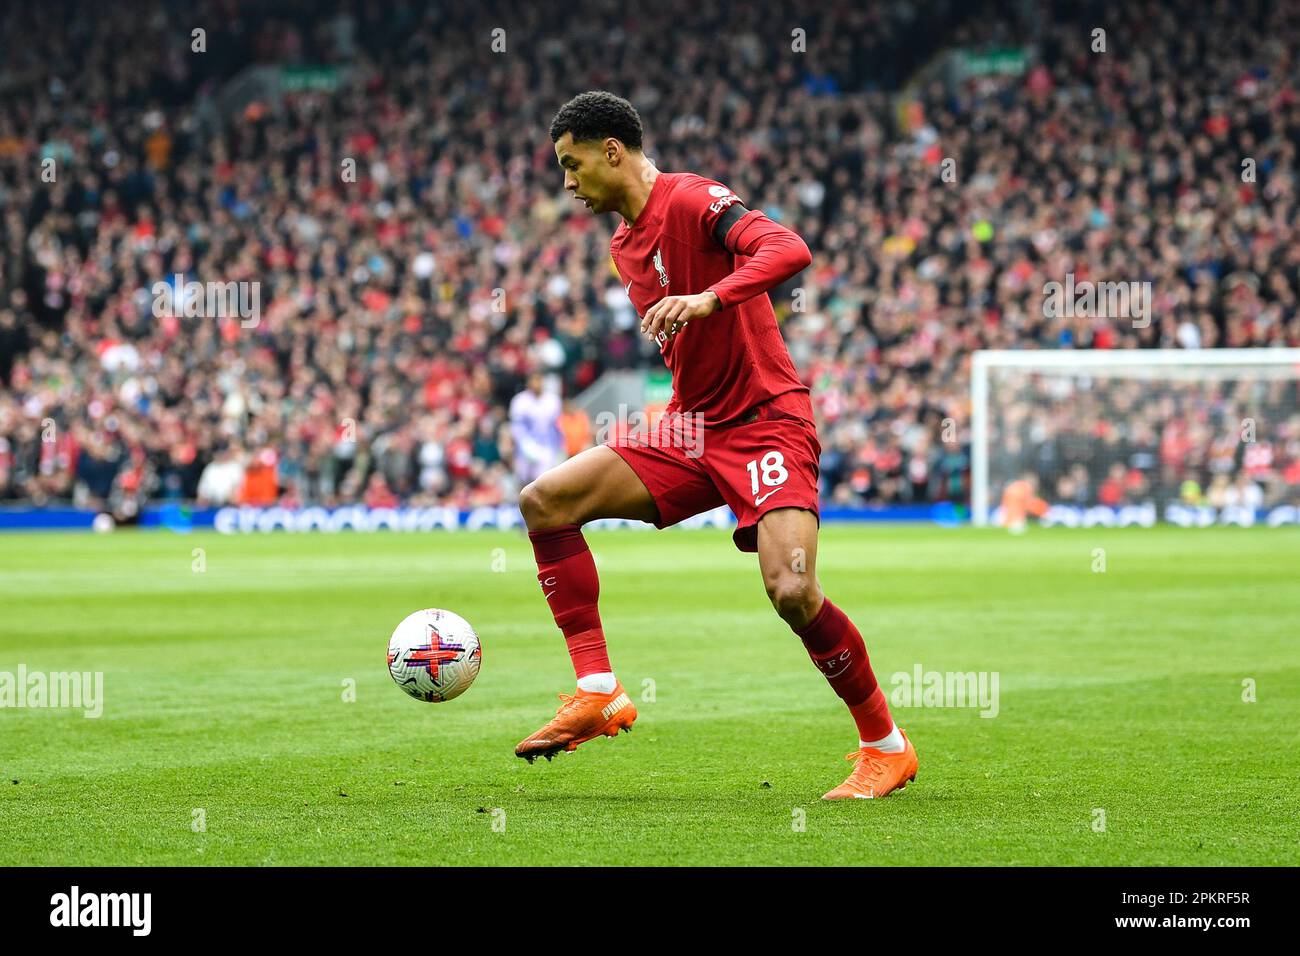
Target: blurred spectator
<point>378,494</point>
<point>575,425</point>
<point>259,487</point>
<point>222,478</point>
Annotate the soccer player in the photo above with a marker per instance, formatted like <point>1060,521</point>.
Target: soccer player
<point>739,430</point>
<point>1019,501</point>
<point>535,428</point>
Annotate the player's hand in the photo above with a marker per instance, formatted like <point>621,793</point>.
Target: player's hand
<point>670,313</point>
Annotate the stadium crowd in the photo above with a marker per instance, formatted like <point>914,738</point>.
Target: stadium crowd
<point>404,308</point>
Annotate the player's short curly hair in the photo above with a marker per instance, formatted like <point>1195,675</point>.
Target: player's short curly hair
<point>596,115</point>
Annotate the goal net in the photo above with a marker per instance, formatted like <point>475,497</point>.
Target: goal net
<point>1136,436</point>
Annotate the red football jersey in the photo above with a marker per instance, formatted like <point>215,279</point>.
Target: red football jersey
<point>691,236</point>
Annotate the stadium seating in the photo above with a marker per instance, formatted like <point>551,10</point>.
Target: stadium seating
<point>402,308</point>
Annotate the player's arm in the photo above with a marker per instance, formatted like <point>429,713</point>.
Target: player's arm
<point>775,254</point>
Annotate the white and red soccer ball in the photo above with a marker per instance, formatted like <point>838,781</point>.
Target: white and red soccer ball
<point>434,655</point>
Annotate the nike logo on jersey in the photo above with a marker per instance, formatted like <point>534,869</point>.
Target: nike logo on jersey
<point>759,501</point>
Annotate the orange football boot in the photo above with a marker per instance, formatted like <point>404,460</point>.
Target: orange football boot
<point>581,717</point>
<point>876,773</point>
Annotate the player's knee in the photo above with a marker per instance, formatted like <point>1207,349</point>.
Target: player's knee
<point>533,505</point>
<point>795,597</point>
<point>541,507</point>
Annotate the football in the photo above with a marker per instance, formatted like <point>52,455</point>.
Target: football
<point>434,655</point>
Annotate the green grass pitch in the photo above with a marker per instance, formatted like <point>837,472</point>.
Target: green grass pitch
<point>1121,702</point>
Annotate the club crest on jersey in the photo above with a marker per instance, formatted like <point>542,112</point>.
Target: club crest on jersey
<point>659,266</point>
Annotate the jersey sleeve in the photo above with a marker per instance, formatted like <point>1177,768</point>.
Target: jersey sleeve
<point>716,214</point>
<point>712,209</point>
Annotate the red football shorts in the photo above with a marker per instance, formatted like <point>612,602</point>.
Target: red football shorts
<point>766,460</point>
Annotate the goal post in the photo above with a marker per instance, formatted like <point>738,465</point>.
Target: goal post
<point>1136,427</point>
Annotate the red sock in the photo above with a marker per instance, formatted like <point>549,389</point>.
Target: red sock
<point>836,647</point>
<point>567,574</point>
<point>872,716</point>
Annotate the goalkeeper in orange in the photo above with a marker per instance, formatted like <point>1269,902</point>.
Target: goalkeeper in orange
<point>1019,501</point>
